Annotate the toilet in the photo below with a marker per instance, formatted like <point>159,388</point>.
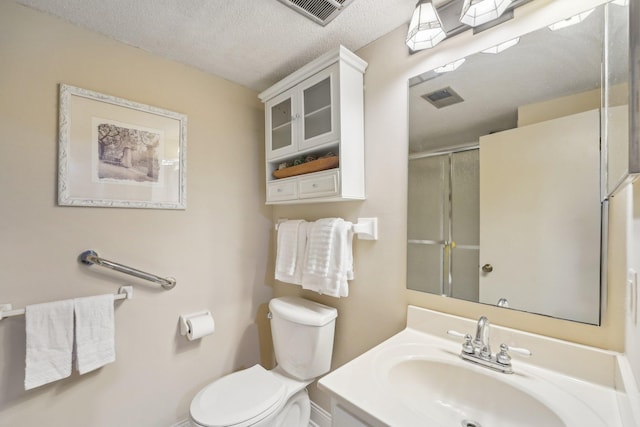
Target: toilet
<point>302,333</point>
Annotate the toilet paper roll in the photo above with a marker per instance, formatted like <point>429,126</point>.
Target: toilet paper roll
<point>200,326</point>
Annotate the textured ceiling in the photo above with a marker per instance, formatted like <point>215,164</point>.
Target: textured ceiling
<point>251,42</point>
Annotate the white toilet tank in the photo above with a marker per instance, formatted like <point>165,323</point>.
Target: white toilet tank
<point>302,333</point>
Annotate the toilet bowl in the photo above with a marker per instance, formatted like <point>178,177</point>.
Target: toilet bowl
<point>252,397</point>
<point>303,342</point>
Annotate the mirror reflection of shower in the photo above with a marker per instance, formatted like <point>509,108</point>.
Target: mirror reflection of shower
<point>443,223</point>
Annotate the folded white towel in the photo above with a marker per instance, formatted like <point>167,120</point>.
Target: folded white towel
<point>49,332</point>
<point>320,246</point>
<point>291,247</point>
<point>329,258</point>
<point>95,332</point>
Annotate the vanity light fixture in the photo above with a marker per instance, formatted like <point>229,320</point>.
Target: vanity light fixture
<point>425,28</point>
<point>478,12</point>
<point>450,66</point>
<point>575,19</point>
<point>502,46</point>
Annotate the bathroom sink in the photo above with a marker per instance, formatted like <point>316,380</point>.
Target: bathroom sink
<point>433,382</point>
<point>465,397</point>
<point>417,378</point>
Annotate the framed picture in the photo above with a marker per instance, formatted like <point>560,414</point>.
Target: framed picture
<point>119,153</point>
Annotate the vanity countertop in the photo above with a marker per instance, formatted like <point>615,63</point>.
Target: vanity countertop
<point>579,384</point>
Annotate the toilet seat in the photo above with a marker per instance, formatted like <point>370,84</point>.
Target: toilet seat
<point>239,399</point>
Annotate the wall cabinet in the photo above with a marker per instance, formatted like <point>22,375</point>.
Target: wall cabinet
<point>315,111</point>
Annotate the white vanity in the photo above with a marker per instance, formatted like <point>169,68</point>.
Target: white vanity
<point>418,378</point>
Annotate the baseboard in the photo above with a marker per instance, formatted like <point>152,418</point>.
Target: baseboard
<point>319,417</point>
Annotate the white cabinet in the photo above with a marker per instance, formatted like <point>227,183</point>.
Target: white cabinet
<point>344,414</point>
<point>315,111</point>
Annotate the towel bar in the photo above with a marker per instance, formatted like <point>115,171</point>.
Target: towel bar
<point>365,228</point>
<point>91,257</point>
<point>125,292</point>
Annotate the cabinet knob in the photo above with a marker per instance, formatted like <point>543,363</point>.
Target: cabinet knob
<point>279,190</point>
<point>314,185</point>
<point>487,268</point>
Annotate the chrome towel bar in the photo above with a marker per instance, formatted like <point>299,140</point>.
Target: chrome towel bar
<point>6,310</point>
<point>365,228</point>
<point>91,257</point>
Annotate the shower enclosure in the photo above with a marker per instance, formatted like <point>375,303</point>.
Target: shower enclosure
<point>443,229</point>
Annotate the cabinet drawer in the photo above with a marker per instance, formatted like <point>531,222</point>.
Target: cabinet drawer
<point>282,190</point>
<point>319,185</point>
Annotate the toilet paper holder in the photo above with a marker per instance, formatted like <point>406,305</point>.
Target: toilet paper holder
<point>184,326</point>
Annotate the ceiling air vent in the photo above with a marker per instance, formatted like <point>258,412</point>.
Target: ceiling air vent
<point>319,11</point>
<point>443,97</point>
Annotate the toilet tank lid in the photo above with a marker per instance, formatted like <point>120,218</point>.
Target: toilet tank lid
<point>302,311</point>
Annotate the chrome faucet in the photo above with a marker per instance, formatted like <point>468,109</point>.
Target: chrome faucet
<point>481,345</point>
<point>478,349</point>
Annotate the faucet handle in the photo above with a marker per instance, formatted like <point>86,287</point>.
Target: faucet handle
<point>456,334</point>
<point>503,356</point>
<point>520,350</point>
<point>467,347</point>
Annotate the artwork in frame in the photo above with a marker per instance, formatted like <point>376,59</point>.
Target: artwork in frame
<point>118,153</point>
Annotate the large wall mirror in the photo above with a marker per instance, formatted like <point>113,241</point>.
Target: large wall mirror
<point>508,186</point>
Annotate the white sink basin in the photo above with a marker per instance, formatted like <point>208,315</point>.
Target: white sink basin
<point>416,378</point>
<point>435,383</point>
<point>465,397</point>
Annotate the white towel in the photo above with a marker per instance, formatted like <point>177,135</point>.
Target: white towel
<point>95,332</point>
<point>329,257</point>
<point>291,247</point>
<point>319,246</point>
<point>49,331</point>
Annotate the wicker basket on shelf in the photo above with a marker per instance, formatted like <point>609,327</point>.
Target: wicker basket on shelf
<point>321,164</point>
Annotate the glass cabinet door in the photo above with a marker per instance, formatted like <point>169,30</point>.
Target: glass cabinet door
<point>317,109</point>
<point>280,118</point>
<point>319,118</point>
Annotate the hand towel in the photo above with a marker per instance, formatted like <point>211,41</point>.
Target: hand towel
<point>49,332</point>
<point>291,247</point>
<point>329,258</point>
<point>95,332</point>
<point>320,246</point>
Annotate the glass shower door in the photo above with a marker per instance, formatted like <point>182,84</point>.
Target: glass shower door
<point>465,225</point>
<point>443,224</point>
<point>426,208</point>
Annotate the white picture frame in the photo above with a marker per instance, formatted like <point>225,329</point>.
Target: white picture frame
<point>119,153</point>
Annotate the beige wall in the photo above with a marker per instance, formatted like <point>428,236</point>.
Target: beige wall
<point>377,303</point>
<point>217,248</point>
